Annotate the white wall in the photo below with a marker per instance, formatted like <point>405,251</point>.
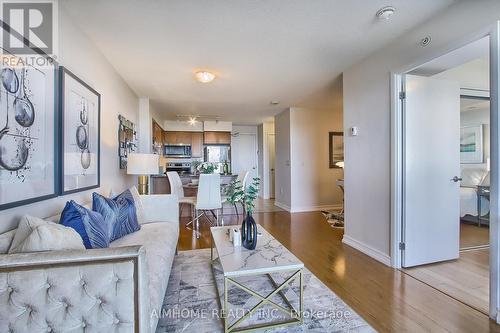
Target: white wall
<point>367,105</point>
<point>144,126</point>
<point>471,75</point>
<point>81,57</point>
<point>313,182</point>
<point>283,170</point>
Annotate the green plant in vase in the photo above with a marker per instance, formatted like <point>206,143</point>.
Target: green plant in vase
<point>207,168</point>
<point>246,196</point>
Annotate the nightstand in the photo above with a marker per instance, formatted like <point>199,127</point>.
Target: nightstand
<point>482,192</point>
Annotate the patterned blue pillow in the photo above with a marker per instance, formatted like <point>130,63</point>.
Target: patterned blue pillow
<point>120,211</point>
<point>91,226</point>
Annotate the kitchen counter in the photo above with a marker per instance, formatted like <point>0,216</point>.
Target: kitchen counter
<point>161,185</point>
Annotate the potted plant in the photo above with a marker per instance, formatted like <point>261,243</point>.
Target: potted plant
<point>207,168</point>
<point>246,196</point>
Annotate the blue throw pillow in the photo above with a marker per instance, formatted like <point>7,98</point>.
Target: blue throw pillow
<point>120,211</point>
<point>91,226</point>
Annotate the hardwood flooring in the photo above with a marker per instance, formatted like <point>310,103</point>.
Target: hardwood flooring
<point>390,300</point>
<point>472,235</point>
<point>465,279</point>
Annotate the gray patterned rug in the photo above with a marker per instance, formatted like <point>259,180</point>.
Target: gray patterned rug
<point>191,304</point>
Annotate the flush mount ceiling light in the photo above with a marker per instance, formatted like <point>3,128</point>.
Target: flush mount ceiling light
<point>204,76</point>
<point>385,13</point>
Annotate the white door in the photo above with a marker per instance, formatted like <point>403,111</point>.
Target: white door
<point>432,160</point>
<point>272,155</point>
<point>244,155</point>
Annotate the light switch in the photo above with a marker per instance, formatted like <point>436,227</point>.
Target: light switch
<point>354,131</point>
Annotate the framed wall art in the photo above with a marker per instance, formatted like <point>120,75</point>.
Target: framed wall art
<point>127,140</point>
<point>80,111</point>
<point>28,131</point>
<point>471,144</point>
<point>336,145</point>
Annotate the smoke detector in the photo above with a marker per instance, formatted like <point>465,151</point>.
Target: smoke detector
<point>385,13</point>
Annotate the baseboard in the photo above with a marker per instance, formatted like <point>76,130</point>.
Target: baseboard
<point>307,208</point>
<point>368,250</point>
<point>282,206</point>
<point>314,208</point>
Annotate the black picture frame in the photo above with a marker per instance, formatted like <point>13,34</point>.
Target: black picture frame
<point>56,142</point>
<point>62,72</point>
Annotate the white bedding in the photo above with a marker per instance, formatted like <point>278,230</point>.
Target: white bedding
<point>468,202</point>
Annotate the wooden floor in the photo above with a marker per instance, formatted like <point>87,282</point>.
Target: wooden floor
<point>472,235</point>
<point>465,279</point>
<point>390,300</point>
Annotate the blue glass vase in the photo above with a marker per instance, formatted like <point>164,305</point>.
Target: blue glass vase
<point>249,232</point>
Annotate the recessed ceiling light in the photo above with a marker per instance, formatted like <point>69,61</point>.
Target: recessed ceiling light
<point>204,76</point>
<point>385,13</point>
<point>274,102</point>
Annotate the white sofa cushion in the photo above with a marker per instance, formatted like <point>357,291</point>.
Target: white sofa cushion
<point>6,240</point>
<point>34,234</point>
<point>159,240</point>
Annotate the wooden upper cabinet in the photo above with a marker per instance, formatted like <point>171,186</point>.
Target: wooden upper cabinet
<point>197,144</point>
<point>177,138</point>
<point>157,133</point>
<point>217,138</point>
<point>184,138</point>
<point>169,138</point>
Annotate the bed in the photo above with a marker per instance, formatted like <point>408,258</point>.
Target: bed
<point>471,178</point>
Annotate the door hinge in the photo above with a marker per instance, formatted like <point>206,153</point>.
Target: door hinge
<point>402,95</point>
<point>402,246</point>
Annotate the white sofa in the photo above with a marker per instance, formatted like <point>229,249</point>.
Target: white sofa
<point>100,290</point>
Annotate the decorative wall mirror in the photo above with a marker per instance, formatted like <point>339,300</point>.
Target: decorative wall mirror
<point>336,149</point>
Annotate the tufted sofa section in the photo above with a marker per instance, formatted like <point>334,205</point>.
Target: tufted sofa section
<point>98,290</point>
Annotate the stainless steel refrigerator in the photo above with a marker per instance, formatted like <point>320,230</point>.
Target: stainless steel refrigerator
<point>218,154</point>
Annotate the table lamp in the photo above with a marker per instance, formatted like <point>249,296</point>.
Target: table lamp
<point>486,179</point>
<point>142,165</point>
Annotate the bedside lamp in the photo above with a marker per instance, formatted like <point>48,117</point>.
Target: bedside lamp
<point>486,179</point>
<point>142,165</point>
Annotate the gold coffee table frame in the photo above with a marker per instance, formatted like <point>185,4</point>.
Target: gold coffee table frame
<point>296,316</point>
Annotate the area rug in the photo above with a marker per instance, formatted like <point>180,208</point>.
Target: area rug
<point>191,305</point>
<point>334,218</point>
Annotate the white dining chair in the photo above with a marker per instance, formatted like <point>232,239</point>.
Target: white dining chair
<point>208,199</point>
<point>177,189</point>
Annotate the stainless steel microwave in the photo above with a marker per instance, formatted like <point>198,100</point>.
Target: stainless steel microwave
<point>179,151</point>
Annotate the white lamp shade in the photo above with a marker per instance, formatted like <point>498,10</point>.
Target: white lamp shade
<point>142,164</point>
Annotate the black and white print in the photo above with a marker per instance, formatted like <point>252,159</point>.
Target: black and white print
<point>80,115</point>
<point>27,133</point>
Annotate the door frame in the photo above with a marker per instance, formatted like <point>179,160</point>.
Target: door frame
<point>397,155</point>
<point>269,178</point>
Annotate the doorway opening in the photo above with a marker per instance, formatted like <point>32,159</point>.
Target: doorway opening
<point>446,173</point>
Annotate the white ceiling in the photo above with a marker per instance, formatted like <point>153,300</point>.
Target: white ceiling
<point>261,50</point>
<point>479,49</point>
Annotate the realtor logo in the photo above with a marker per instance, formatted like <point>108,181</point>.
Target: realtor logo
<point>28,26</point>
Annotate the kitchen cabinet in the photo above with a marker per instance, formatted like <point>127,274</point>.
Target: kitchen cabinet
<point>197,144</point>
<point>177,138</point>
<point>157,134</point>
<point>217,138</point>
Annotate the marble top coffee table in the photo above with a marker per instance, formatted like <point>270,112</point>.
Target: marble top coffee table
<point>269,257</point>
